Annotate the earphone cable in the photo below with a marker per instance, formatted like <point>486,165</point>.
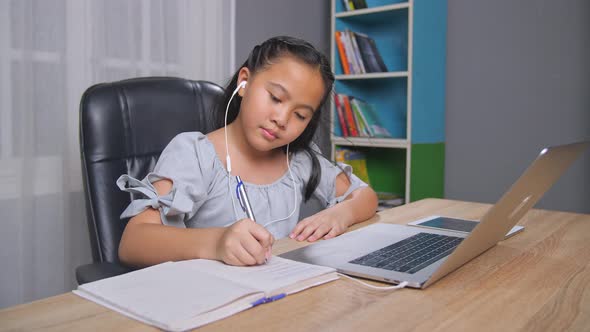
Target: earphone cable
<point>227,159</point>
<point>294,194</point>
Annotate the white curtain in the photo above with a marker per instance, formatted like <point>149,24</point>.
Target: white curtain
<point>50,52</point>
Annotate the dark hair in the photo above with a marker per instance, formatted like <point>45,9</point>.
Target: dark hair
<point>260,58</point>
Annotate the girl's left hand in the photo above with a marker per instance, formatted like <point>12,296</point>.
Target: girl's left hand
<point>325,224</point>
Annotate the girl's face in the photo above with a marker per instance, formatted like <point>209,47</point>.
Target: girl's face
<point>278,102</point>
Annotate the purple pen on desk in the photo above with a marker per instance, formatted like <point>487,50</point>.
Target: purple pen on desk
<point>268,299</point>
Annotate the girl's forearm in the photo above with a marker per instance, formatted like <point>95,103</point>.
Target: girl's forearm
<point>360,205</point>
<point>148,244</point>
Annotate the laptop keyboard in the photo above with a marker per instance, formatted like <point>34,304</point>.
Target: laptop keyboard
<point>412,254</point>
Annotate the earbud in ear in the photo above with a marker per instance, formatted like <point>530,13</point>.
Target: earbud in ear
<point>240,86</point>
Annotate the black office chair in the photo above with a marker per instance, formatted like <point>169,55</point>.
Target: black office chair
<point>124,126</point>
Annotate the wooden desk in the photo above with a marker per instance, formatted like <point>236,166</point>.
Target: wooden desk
<point>536,280</point>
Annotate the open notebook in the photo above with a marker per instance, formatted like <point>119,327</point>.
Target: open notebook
<point>179,296</point>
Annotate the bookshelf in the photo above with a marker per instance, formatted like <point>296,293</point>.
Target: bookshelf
<point>408,98</point>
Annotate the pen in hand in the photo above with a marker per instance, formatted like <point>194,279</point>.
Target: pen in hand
<point>245,202</point>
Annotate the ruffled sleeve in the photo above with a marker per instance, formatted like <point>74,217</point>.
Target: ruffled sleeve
<point>187,166</point>
<point>326,189</point>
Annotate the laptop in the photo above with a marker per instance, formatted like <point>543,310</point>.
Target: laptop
<point>402,253</point>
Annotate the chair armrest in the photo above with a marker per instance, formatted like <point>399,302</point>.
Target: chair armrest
<point>96,271</point>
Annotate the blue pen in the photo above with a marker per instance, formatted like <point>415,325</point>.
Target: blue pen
<point>243,198</point>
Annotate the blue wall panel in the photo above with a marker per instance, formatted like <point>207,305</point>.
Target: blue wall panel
<point>428,62</point>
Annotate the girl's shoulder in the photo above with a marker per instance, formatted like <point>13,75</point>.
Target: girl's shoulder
<point>192,147</point>
<point>194,140</point>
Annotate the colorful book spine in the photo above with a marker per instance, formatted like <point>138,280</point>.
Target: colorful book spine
<point>357,53</point>
<point>351,5</point>
<point>345,5</point>
<point>352,130</point>
<point>359,119</point>
<point>340,114</point>
<point>353,63</point>
<point>342,53</point>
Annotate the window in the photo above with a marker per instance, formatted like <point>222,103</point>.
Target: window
<point>51,51</point>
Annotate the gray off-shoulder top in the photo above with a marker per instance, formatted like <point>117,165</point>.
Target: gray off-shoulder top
<point>201,197</point>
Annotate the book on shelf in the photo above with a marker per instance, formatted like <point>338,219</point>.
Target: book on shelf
<point>355,159</point>
<point>369,53</point>
<point>359,4</point>
<point>358,53</point>
<point>352,56</point>
<point>346,53</point>
<point>341,52</point>
<point>348,116</point>
<point>183,295</point>
<point>357,118</point>
<point>348,5</point>
<point>340,115</point>
<point>371,118</point>
<point>354,4</point>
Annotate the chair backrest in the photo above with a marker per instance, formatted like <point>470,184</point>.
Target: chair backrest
<point>124,126</point>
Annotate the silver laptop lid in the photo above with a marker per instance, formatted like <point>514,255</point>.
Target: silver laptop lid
<point>518,200</point>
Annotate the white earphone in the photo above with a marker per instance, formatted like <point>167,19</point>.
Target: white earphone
<point>228,162</point>
<point>227,158</point>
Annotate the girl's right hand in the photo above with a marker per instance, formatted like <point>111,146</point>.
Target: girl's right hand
<point>245,243</point>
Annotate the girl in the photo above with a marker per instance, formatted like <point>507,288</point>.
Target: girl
<point>270,113</point>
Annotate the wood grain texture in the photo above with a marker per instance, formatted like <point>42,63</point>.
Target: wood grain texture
<point>538,280</point>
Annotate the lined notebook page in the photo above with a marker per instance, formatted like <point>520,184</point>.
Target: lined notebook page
<point>276,273</point>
